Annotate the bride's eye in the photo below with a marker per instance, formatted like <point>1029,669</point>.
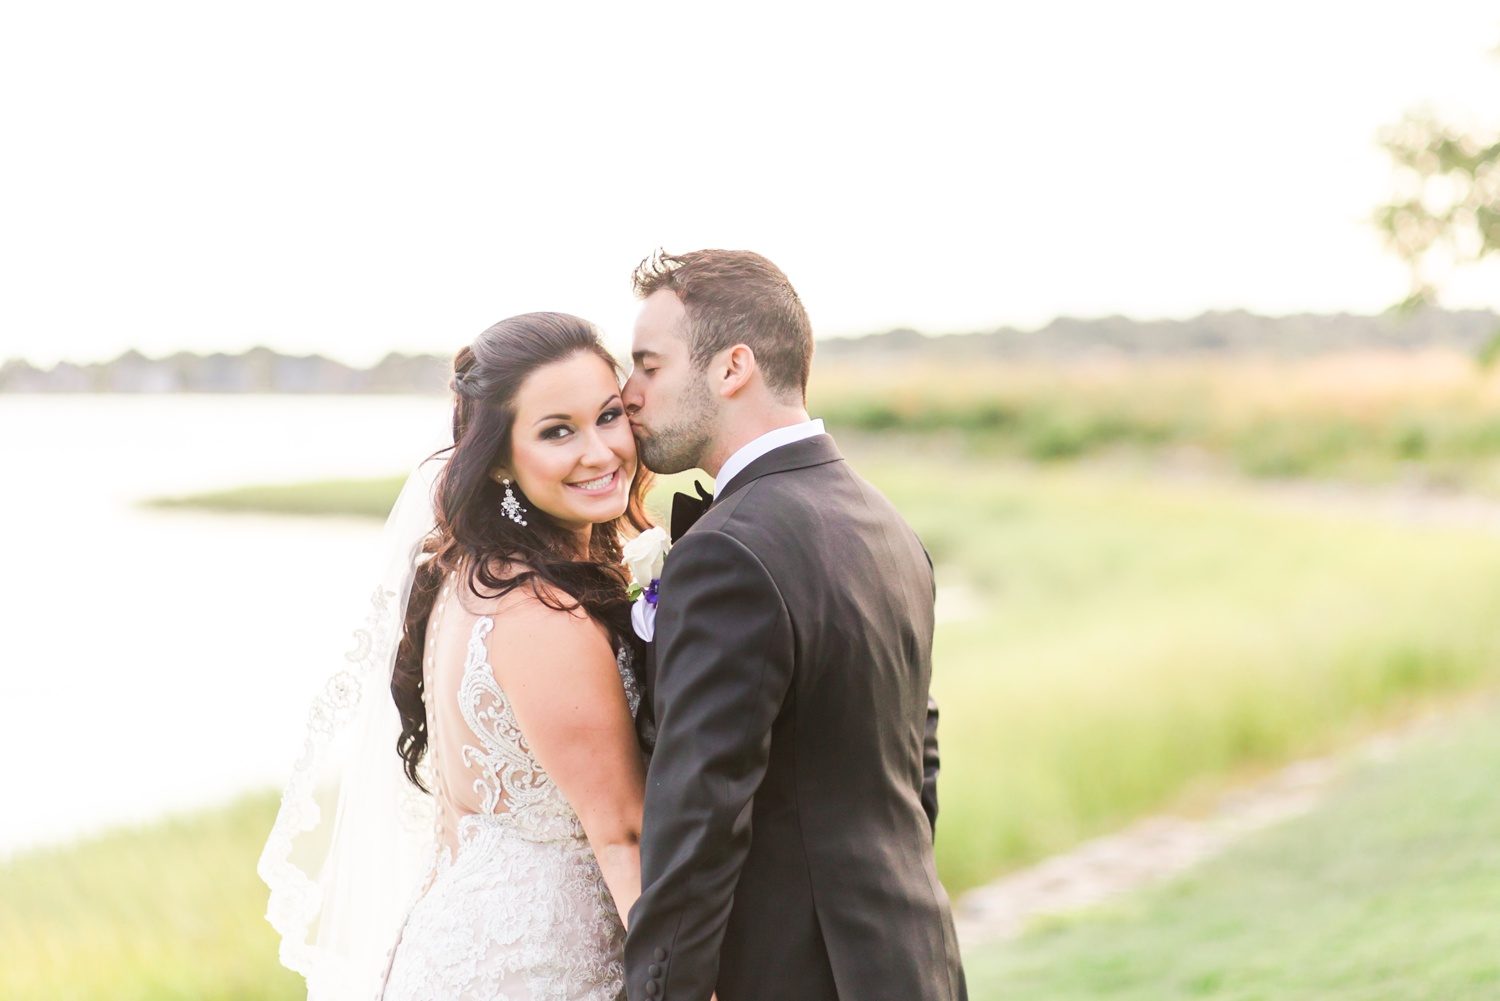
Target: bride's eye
<point>556,432</point>
<point>611,415</point>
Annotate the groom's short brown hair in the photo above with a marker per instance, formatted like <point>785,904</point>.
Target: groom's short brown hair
<point>737,297</point>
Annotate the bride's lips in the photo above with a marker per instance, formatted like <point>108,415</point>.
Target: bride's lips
<point>599,484</point>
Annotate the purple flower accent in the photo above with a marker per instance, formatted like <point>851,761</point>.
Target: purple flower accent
<point>652,590</point>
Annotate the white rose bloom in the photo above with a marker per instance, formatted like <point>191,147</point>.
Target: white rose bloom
<point>645,555</point>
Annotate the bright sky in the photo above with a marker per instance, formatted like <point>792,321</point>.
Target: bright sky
<point>352,178</point>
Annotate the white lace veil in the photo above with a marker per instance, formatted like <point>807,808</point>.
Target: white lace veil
<point>354,837</point>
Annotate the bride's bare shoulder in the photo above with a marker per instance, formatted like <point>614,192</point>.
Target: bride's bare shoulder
<point>508,593</point>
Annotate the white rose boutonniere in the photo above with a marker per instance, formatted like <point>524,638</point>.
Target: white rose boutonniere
<point>644,556</point>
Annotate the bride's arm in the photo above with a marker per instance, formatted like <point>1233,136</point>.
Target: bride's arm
<point>559,672</point>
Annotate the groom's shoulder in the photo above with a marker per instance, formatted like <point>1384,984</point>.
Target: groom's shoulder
<point>770,495</point>
<point>801,524</point>
<point>827,497</point>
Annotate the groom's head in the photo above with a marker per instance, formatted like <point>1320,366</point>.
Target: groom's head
<point>722,342</point>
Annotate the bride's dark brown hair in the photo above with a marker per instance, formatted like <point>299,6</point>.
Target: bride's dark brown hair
<point>494,554</point>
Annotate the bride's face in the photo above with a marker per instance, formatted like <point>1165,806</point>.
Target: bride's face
<point>572,453</point>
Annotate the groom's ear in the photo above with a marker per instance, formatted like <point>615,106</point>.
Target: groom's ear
<point>733,369</point>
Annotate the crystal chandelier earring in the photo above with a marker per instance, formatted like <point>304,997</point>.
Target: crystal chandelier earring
<point>510,507</point>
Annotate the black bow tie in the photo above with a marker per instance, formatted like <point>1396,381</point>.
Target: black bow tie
<point>687,509</point>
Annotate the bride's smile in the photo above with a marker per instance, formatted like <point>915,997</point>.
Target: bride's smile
<point>598,485</point>
<point>572,453</point>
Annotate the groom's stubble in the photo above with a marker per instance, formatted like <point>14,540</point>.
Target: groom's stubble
<point>684,440</point>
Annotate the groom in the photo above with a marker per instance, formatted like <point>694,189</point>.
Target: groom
<point>787,846</point>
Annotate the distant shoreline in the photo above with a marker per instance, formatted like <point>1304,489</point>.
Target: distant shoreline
<point>1216,334</point>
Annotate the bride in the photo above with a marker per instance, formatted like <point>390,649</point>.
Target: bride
<point>485,839</point>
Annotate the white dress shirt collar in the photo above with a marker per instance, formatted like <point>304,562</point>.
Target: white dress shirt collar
<point>753,450</point>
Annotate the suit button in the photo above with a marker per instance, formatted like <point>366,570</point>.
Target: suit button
<point>652,989</point>
<point>661,954</point>
<point>654,970</point>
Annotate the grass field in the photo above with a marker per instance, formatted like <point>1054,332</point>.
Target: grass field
<point>1131,643</point>
<point>1134,645</point>
<point>168,912</point>
<point>1127,644</point>
<point>1369,416</point>
<point>1387,893</point>
<point>367,498</point>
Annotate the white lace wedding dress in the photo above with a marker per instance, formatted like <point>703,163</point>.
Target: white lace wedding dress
<point>515,908</point>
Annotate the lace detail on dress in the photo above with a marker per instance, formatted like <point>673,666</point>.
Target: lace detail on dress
<point>509,780</point>
<point>519,911</point>
<point>623,661</point>
<point>508,919</point>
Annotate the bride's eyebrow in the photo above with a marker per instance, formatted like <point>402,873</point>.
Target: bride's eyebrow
<point>568,417</point>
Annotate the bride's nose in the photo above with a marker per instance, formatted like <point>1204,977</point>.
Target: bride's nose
<point>596,451</point>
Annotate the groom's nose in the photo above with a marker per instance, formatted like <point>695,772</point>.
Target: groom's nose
<point>630,395</point>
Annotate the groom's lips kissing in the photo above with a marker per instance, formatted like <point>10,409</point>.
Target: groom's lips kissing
<point>599,484</point>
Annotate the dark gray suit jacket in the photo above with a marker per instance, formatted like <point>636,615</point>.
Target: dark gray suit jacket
<point>786,852</point>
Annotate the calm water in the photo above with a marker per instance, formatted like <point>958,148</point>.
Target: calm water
<point>157,660</point>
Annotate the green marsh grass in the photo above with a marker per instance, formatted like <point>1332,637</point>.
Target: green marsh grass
<point>1368,416</point>
<point>171,911</point>
<point>1124,645</point>
<point>1130,643</point>
<point>364,498</point>
<point>1386,892</point>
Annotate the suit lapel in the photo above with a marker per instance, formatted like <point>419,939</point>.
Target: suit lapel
<point>814,451</point>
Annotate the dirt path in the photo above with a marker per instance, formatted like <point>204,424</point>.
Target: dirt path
<point>1159,847</point>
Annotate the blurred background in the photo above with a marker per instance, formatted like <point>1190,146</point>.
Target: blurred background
<point>1170,327</point>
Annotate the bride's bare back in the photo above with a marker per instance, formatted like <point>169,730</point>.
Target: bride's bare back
<point>538,779</point>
